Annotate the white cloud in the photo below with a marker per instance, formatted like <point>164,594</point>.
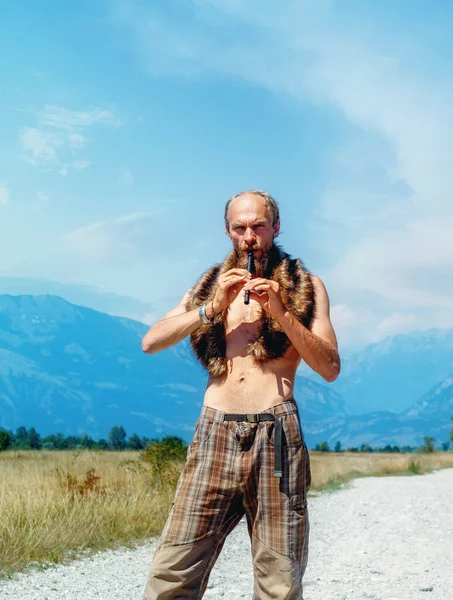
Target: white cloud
<point>42,200</point>
<point>76,140</point>
<point>40,146</point>
<point>149,318</point>
<point>386,207</point>
<point>80,165</point>
<point>398,323</point>
<point>58,116</point>
<point>143,254</point>
<point>42,197</point>
<point>119,240</point>
<point>126,177</point>
<point>4,194</point>
<point>351,324</point>
<point>52,144</point>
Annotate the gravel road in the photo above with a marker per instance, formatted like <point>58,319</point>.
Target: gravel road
<point>386,538</point>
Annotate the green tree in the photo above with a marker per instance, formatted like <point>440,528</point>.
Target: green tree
<point>337,447</point>
<point>5,440</point>
<point>175,442</point>
<point>22,438</point>
<point>34,439</point>
<point>451,433</point>
<point>73,441</point>
<point>102,444</point>
<point>407,449</point>
<point>428,446</point>
<point>366,448</point>
<point>322,447</point>
<point>117,437</point>
<point>54,441</point>
<point>134,442</point>
<point>87,441</point>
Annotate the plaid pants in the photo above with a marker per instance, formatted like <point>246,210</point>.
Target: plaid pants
<point>229,472</point>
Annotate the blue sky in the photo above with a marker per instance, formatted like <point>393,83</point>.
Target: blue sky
<point>127,125</point>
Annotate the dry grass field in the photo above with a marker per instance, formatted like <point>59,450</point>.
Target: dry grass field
<point>54,505</point>
<point>331,469</point>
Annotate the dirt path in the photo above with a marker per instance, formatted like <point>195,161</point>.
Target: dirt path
<point>387,538</point>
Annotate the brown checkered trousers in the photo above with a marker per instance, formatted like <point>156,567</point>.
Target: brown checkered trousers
<point>229,472</point>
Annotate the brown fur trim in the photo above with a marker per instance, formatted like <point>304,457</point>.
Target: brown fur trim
<point>270,343</point>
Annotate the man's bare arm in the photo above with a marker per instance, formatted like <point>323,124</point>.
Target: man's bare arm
<point>317,345</point>
<point>178,323</point>
<point>171,328</point>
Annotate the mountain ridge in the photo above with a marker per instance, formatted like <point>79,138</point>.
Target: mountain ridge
<point>68,368</point>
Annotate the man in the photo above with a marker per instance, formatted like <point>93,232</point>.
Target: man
<point>247,455</point>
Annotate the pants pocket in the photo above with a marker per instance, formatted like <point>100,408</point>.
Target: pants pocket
<point>203,430</point>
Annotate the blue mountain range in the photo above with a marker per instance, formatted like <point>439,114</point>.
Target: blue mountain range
<point>70,369</point>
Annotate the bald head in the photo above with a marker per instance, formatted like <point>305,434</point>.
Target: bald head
<point>252,199</point>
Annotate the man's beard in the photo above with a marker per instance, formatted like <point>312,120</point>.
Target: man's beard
<point>259,264</point>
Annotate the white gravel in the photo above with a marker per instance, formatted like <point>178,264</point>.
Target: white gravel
<point>387,538</point>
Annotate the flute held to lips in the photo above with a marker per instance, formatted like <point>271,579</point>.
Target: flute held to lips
<point>249,269</point>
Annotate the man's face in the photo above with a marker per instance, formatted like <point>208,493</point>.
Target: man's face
<point>250,227</point>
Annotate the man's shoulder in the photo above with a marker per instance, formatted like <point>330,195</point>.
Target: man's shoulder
<point>316,280</point>
<point>319,289</point>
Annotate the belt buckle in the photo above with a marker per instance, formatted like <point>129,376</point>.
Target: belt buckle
<point>251,418</point>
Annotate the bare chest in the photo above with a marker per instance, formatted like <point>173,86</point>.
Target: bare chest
<point>242,325</point>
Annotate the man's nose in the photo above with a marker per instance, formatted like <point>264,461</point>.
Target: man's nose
<point>249,236</point>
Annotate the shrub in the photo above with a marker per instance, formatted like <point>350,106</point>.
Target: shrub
<point>5,440</point>
<point>414,467</point>
<point>162,454</point>
<point>78,486</point>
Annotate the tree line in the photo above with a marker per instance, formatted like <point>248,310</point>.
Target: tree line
<point>428,446</point>
<point>30,439</point>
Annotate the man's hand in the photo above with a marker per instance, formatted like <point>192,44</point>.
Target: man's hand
<point>229,285</point>
<point>267,294</point>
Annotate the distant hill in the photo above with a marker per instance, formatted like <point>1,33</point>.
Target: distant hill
<point>70,369</point>
<point>396,372</point>
<point>83,295</point>
<point>381,428</point>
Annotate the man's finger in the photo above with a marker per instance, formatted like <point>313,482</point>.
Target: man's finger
<point>263,286</point>
<point>250,285</point>
<point>231,278</point>
<point>235,272</point>
<point>234,279</point>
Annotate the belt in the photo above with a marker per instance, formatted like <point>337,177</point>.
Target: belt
<point>256,418</point>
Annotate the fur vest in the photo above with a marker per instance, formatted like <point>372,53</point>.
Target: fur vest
<point>270,341</point>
